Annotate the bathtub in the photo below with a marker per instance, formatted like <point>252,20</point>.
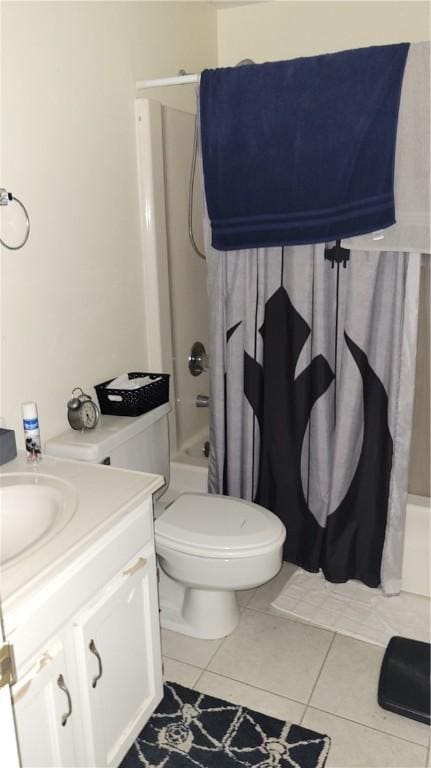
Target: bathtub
<point>190,475</point>
<point>194,448</point>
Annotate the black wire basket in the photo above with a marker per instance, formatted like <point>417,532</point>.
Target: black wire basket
<point>133,402</point>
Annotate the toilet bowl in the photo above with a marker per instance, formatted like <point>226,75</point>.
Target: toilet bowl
<point>209,547</point>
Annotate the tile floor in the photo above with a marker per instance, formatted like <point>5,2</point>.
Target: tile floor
<point>298,672</point>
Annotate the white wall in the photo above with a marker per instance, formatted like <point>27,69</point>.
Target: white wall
<point>285,29</point>
<point>71,299</point>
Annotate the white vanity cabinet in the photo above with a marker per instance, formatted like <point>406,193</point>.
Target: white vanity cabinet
<point>42,711</point>
<point>88,656</point>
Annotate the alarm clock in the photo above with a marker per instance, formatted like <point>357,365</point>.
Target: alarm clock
<point>82,411</point>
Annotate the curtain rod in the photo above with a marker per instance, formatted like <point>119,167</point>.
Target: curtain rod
<point>180,80</point>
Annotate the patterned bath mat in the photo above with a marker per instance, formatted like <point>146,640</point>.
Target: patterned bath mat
<point>355,610</point>
<point>192,730</point>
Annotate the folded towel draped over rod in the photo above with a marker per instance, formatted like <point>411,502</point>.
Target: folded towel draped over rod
<point>301,151</point>
<point>411,230</point>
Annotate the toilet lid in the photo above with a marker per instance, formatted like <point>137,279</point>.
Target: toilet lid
<point>217,525</point>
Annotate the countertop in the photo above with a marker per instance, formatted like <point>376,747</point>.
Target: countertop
<point>104,496</point>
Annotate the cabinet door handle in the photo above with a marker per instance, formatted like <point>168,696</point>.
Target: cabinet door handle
<point>93,649</point>
<point>62,685</point>
<point>140,563</point>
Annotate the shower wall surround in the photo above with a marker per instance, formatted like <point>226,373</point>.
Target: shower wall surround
<point>187,273</point>
<point>175,295</point>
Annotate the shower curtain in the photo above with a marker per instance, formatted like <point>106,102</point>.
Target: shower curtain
<point>312,349</point>
<point>312,361</point>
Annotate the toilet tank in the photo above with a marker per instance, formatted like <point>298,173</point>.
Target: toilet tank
<point>140,443</point>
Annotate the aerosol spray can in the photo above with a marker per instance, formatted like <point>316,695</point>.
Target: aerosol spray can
<point>31,432</point>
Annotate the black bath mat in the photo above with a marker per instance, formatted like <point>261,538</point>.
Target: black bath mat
<point>192,730</point>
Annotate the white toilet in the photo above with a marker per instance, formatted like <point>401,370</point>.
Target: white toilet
<point>209,547</point>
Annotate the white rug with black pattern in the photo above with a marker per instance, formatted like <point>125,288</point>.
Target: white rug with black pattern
<point>192,730</point>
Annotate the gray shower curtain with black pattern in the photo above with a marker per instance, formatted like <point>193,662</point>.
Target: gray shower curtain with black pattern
<point>312,365</point>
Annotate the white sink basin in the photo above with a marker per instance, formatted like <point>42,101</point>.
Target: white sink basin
<point>33,509</point>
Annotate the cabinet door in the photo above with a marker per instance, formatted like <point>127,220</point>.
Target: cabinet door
<point>44,712</point>
<point>117,641</point>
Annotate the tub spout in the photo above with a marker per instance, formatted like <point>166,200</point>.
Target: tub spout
<point>202,401</point>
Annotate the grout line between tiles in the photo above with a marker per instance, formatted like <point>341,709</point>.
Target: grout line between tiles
<point>199,677</point>
<point>216,651</point>
<point>317,677</point>
<point>288,617</point>
<point>188,663</point>
<point>179,661</point>
<point>248,685</point>
<point>250,597</point>
<point>364,725</point>
<point>208,663</point>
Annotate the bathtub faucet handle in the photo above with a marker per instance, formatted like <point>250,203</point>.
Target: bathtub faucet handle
<point>198,359</point>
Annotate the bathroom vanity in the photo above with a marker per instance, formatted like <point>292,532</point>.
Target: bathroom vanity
<point>80,608</point>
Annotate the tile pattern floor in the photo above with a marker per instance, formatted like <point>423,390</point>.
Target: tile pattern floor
<point>299,672</point>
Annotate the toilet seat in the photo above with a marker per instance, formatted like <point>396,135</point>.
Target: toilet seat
<point>211,525</point>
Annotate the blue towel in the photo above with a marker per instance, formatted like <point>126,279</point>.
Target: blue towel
<point>301,151</point>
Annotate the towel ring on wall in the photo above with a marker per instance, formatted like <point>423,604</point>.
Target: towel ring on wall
<point>5,198</point>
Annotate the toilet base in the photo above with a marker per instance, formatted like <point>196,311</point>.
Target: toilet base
<point>204,613</point>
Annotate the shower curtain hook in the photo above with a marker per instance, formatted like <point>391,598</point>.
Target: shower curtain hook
<point>337,255</point>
